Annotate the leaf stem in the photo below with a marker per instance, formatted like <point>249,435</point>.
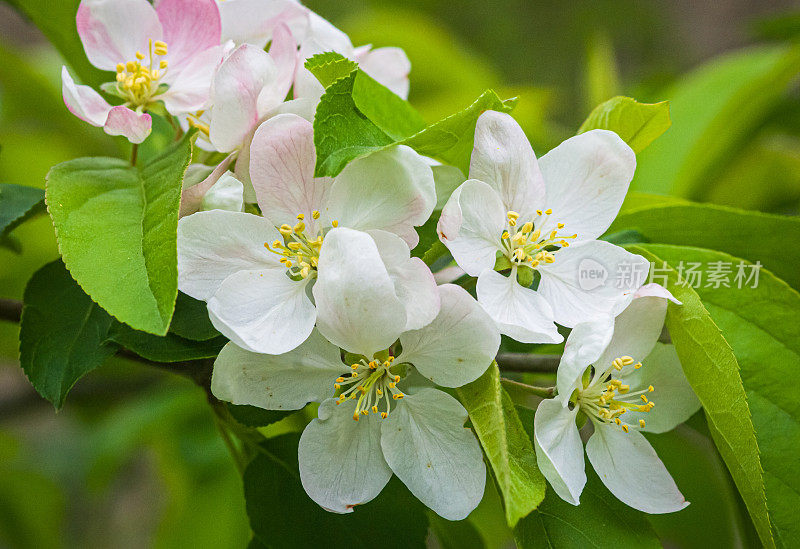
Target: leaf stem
<point>134,153</point>
<point>518,387</point>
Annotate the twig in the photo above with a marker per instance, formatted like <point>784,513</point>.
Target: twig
<point>10,309</point>
<point>524,362</point>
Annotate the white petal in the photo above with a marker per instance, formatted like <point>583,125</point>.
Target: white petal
<point>341,461</point>
<point>428,448</point>
<point>263,311</point>
<point>673,396</point>
<point>585,344</point>
<point>559,450</point>
<point>520,313</point>
<point>225,194</point>
<point>277,382</point>
<point>575,298</point>
<point>587,177</point>
<point>471,225</point>
<point>504,159</point>
<point>636,330</point>
<point>458,346</point>
<point>413,281</point>
<point>112,31</point>
<point>357,306</point>
<point>282,159</point>
<point>392,190</point>
<point>83,101</point>
<point>214,245</point>
<point>388,66</point>
<point>631,470</point>
<point>237,84</point>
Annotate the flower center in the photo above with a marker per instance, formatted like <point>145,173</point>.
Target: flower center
<point>299,252</point>
<point>527,245</point>
<point>606,398</point>
<point>373,384</point>
<point>136,82</point>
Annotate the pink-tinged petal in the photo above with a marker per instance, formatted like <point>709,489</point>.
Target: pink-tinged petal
<point>112,31</point>
<point>130,124</point>
<point>282,160</point>
<point>520,313</point>
<point>83,101</point>
<point>388,66</point>
<point>190,27</point>
<point>237,84</point>
<point>503,158</point>
<point>190,89</point>
<point>283,51</point>
<point>328,36</point>
<point>253,21</point>
<point>587,177</point>
<point>192,197</point>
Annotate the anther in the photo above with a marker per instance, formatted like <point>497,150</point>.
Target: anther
<point>644,398</point>
<point>641,423</point>
<point>625,428</point>
<point>335,223</point>
<point>315,214</point>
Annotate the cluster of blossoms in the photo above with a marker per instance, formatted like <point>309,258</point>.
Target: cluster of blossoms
<point>312,278</point>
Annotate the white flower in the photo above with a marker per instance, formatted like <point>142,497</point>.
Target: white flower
<point>256,272</point>
<point>402,424</point>
<point>599,378</point>
<point>543,217</point>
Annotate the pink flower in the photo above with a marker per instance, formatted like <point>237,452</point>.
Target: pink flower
<point>167,53</point>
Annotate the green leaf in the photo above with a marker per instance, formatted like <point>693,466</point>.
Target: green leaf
<point>62,333</point>
<point>602,75</point>
<point>505,443</point>
<point>18,203</point>
<point>762,326</point>
<point>283,516</point>
<point>328,67</point>
<point>638,124</point>
<point>253,416</point>
<point>450,140</point>
<point>751,235</point>
<point>716,517</point>
<point>190,319</point>
<point>56,20</point>
<point>459,534</point>
<point>601,521</point>
<point>715,110</point>
<point>169,348</point>
<point>357,116</point>
<point>713,371</point>
<point>117,232</point>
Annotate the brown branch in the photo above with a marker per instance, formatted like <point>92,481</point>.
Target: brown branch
<point>10,309</point>
<point>200,370</point>
<point>524,362</point>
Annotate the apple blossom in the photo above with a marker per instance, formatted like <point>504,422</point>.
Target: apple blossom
<point>165,53</point>
<point>403,425</point>
<point>519,214</point>
<point>256,272</point>
<point>599,378</point>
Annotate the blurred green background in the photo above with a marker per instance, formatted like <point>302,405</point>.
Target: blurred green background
<point>133,459</point>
